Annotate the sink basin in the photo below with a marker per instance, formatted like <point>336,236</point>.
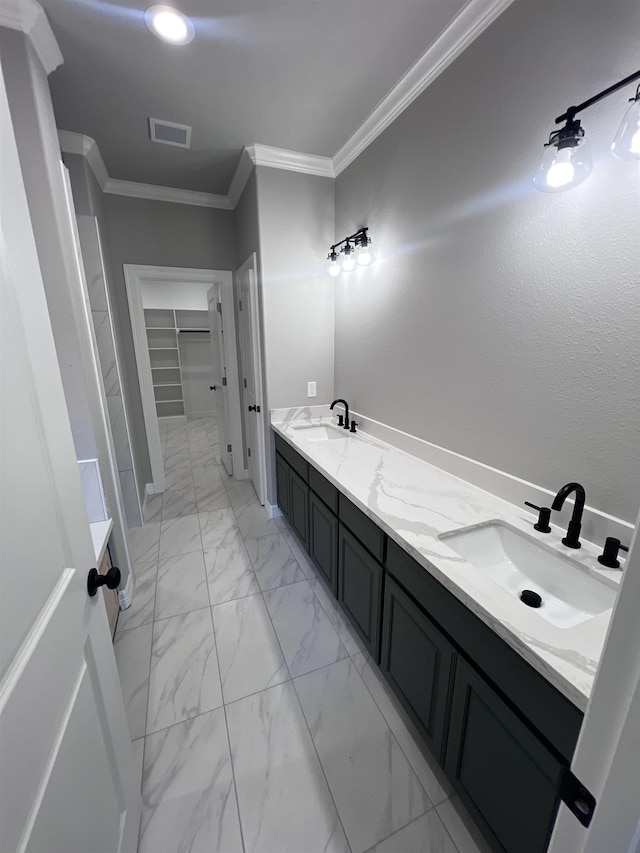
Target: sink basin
<point>320,432</point>
<point>570,595</point>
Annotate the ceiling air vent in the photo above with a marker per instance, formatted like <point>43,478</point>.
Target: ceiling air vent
<point>170,133</point>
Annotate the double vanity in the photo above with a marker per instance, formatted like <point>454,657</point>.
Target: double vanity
<point>430,571</point>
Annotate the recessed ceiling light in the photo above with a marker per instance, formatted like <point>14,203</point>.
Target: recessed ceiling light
<point>169,24</point>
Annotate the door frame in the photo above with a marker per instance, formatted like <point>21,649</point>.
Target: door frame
<point>134,276</point>
<point>251,266</point>
<point>230,346</point>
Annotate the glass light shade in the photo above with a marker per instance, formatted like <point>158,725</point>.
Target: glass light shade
<point>561,168</point>
<point>332,265</point>
<point>626,142</point>
<point>366,254</point>
<point>169,25</point>
<point>348,259</point>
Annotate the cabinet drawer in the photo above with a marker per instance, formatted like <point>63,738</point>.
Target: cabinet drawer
<point>323,540</point>
<point>324,489</point>
<point>299,507</point>
<point>282,485</point>
<point>418,662</point>
<point>360,589</point>
<point>299,465</point>
<point>548,711</point>
<point>360,525</point>
<point>505,776</point>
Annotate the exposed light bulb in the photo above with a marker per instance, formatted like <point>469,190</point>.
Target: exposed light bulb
<point>169,24</point>
<point>626,142</point>
<point>332,266</point>
<point>561,171</point>
<point>565,161</point>
<point>366,254</point>
<point>348,260</point>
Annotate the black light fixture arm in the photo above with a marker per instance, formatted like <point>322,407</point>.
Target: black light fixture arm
<point>361,232</point>
<point>572,112</point>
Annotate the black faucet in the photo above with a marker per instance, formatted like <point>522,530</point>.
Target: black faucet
<point>572,539</point>
<point>343,422</point>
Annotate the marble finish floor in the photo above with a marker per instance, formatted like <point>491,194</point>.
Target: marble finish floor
<point>259,722</point>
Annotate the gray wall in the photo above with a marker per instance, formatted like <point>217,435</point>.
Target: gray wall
<point>502,323</point>
<point>158,233</point>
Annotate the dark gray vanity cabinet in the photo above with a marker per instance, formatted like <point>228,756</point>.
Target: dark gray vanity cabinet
<point>418,661</point>
<point>323,540</point>
<point>299,507</point>
<point>360,589</point>
<point>282,486</point>
<point>505,775</point>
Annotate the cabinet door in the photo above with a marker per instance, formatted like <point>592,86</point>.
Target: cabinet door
<point>323,540</point>
<point>418,662</point>
<point>505,776</point>
<point>360,589</point>
<point>299,507</point>
<point>282,486</point>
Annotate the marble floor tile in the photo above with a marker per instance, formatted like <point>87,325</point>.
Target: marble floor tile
<point>212,495</point>
<point>180,536</point>
<point>132,648</point>
<point>304,560</point>
<point>179,501</point>
<point>432,778</point>
<point>343,628</point>
<point>207,475</point>
<point>138,757</point>
<point>254,521</point>
<point>283,798</point>
<point>372,783</point>
<point>248,650</point>
<point>153,508</point>
<point>178,478</point>
<point>184,679</point>
<point>218,528</point>
<point>182,585</point>
<point>176,457</point>
<point>460,827</point>
<point>141,610</point>
<point>306,636</point>
<point>273,562</point>
<point>188,798</point>
<point>427,834</point>
<point>143,543</point>
<point>241,492</point>
<point>229,573</point>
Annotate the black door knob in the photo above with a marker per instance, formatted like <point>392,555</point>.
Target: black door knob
<point>212,387</point>
<point>252,408</point>
<point>111,580</point>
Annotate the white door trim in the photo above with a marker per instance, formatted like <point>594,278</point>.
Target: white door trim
<point>134,275</point>
<point>251,265</point>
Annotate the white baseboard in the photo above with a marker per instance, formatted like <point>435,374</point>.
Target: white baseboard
<point>125,596</point>
<point>273,510</point>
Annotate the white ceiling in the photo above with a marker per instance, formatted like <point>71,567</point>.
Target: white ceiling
<point>294,74</point>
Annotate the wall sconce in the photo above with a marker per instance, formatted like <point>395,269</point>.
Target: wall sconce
<point>357,250</point>
<point>566,159</point>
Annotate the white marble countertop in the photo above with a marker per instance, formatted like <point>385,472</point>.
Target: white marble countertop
<point>100,532</point>
<point>415,502</point>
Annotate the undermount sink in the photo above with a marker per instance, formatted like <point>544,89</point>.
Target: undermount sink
<point>320,432</point>
<point>570,595</point>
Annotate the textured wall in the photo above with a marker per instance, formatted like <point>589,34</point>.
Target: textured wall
<point>503,323</point>
<point>158,234</point>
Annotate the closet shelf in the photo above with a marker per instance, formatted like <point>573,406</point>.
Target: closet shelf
<point>201,331</point>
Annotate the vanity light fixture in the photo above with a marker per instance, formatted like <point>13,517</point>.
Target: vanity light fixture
<point>169,25</point>
<point>357,250</point>
<point>566,159</point>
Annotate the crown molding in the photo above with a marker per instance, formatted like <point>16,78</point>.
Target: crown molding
<point>132,189</point>
<point>85,146</point>
<point>292,161</point>
<point>28,17</point>
<point>468,24</point>
<point>240,178</point>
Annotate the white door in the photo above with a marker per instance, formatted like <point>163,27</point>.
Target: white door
<point>252,375</point>
<point>67,776</point>
<point>219,382</point>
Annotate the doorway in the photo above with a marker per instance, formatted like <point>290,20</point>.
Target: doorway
<point>180,355</point>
